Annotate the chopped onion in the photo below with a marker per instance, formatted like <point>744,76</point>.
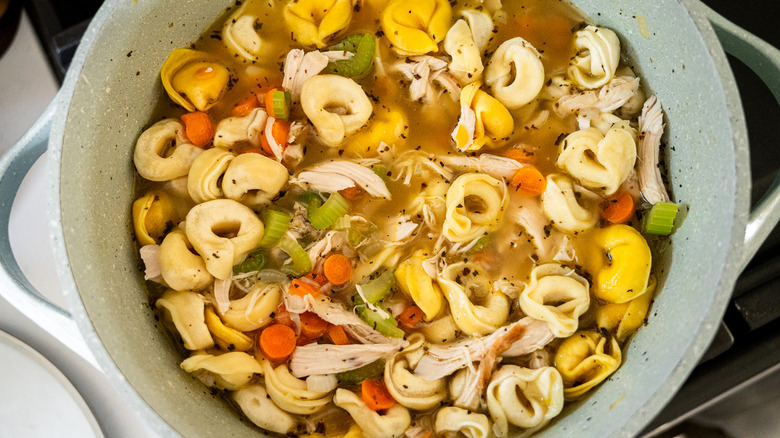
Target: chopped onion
<point>322,382</point>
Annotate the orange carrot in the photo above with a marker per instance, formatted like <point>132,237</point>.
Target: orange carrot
<point>269,101</point>
<point>312,326</point>
<point>277,342</point>
<point>198,127</point>
<point>410,317</point>
<point>337,335</point>
<point>619,209</point>
<point>529,181</point>
<point>351,192</point>
<point>520,155</point>
<point>337,269</point>
<point>317,278</point>
<point>280,130</point>
<point>302,288</point>
<point>375,395</point>
<point>428,434</point>
<point>246,105</point>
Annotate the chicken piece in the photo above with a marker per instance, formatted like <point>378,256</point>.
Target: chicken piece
<point>418,163</point>
<point>606,99</point>
<point>424,71</point>
<point>314,359</point>
<point>150,254</point>
<point>493,165</point>
<point>651,128</point>
<point>338,175</point>
<point>299,67</point>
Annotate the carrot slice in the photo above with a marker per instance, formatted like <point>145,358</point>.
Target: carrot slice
<point>337,335</point>
<point>317,278</point>
<point>410,317</point>
<point>529,181</point>
<point>198,127</point>
<point>302,288</point>
<point>280,130</point>
<point>520,155</point>
<point>375,395</point>
<point>337,269</point>
<point>619,209</point>
<point>246,105</point>
<point>277,342</point>
<point>351,192</point>
<point>312,326</point>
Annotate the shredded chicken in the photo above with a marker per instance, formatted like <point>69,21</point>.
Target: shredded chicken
<point>493,165</point>
<point>545,238</point>
<point>150,254</point>
<point>342,174</point>
<point>299,67</point>
<point>332,241</point>
<point>606,99</point>
<point>539,359</point>
<point>414,162</point>
<point>464,132</point>
<point>329,359</point>
<point>222,293</point>
<point>338,55</point>
<point>425,70</point>
<point>441,361</point>
<point>651,127</point>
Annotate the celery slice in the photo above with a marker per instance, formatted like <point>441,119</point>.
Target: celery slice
<point>353,377</point>
<point>301,263</point>
<point>363,48</point>
<point>327,215</point>
<point>378,288</point>
<point>660,219</point>
<point>255,261</point>
<point>387,326</point>
<point>281,101</point>
<point>276,225</point>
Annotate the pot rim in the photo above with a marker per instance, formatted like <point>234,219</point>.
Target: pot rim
<point>632,427</point>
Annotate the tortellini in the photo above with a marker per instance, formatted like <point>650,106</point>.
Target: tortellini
<point>391,424</point>
<point>556,295</point>
<point>389,126</point>
<point>415,282</point>
<point>619,263</point>
<point>441,329</point>
<point>254,179</point>
<point>234,130</point>
<point>406,388</point>
<point>241,37</point>
<point>525,398</point>
<point>465,42</point>
<point>208,226</point>
<point>231,370</point>
<point>415,27</point>
<point>475,204</point>
<point>322,93</point>
<point>585,360</point>
<point>597,57</point>
<point>459,385</point>
<point>228,338</point>
<point>484,121</point>
<point>262,411</point>
<point>470,424</point>
<point>476,307</point>
<point>162,152</point>
<point>203,181</point>
<point>290,393</point>
<point>180,268</point>
<point>570,208</point>
<point>624,319</point>
<point>253,310</point>
<point>597,161</point>
<point>515,73</point>
<point>315,22</point>
<point>192,80</point>
<point>153,213</point>
<point>187,312</point>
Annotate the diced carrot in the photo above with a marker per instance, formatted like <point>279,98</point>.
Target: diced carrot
<point>317,278</point>
<point>198,127</point>
<point>351,192</point>
<point>282,316</point>
<point>619,209</point>
<point>428,434</point>
<point>277,342</point>
<point>337,269</point>
<point>280,130</point>
<point>269,101</point>
<point>312,326</point>
<point>375,395</point>
<point>410,317</point>
<point>520,155</point>
<point>246,105</point>
<point>337,335</point>
<point>302,288</point>
<point>529,181</point>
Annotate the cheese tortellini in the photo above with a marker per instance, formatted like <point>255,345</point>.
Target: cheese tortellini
<point>465,42</point>
<point>524,398</point>
<point>476,307</point>
<point>180,268</point>
<point>257,405</point>
<point>475,204</point>
<point>556,295</point>
<point>314,22</point>
<point>234,130</point>
<point>570,208</point>
<point>585,360</point>
<point>227,338</point>
<point>415,27</point>
<point>415,282</point>
<point>152,215</point>
<point>620,263</point>
<point>290,393</point>
<point>515,73</point>
<point>409,390</point>
<point>186,310</point>
<point>597,57</point>
<point>391,424</point>
<point>597,161</point>
<point>322,93</point>
<point>163,153</point>
<point>241,37</point>
<point>231,370</point>
<point>470,424</point>
<point>484,120</point>
<point>624,319</point>
<point>254,310</point>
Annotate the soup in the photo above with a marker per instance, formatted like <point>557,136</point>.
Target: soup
<point>401,217</point>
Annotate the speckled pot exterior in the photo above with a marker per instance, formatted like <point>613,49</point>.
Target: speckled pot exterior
<point>112,88</point>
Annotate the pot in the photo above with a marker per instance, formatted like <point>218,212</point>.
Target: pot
<point>112,88</point>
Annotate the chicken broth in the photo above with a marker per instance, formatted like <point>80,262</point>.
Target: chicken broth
<point>377,217</point>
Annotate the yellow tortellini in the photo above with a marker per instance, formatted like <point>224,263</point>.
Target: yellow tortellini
<point>192,80</point>
<point>180,268</point>
<point>465,42</point>
<point>597,57</point>
<point>392,424</point>
<point>152,215</point>
<point>515,73</point>
<point>524,398</point>
<point>162,152</point>
<point>187,312</point>
<point>457,420</point>
<point>322,93</point>
<point>240,35</point>
<point>585,360</point>
<point>624,319</point>
<point>228,338</point>
<point>203,181</point>
<point>248,128</point>
<point>230,370</point>
<point>556,295</point>
<point>570,208</point>
<point>475,204</point>
<point>415,27</point>
<point>476,307</point>
<point>262,411</point>
<point>619,262</point>
<point>253,310</point>
<point>290,393</point>
<point>491,123</point>
<point>406,388</point>
<point>389,126</point>
<point>441,329</point>
<point>207,225</point>
<point>415,282</point>
<point>597,161</point>
<point>315,22</point>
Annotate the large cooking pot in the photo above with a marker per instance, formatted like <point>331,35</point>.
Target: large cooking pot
<point>113,86</point>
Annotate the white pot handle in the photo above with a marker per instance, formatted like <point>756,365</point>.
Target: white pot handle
<point>14,286</point>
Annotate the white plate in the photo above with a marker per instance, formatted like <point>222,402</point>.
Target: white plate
<point>36,399</point>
